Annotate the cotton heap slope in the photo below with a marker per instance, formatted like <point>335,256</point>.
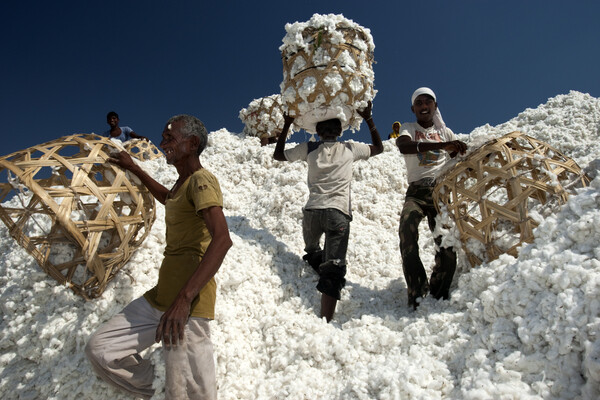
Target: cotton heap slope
<point>523,327</point>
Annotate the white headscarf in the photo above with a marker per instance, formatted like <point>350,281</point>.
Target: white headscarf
<point>438,122</point>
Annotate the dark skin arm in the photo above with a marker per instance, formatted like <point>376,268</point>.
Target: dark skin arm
<point>377,146</point>
<point>124,160</point>
<point>172,323</point>
<point>136,136</point>
<point>407,146</point>
<point>280,146</point>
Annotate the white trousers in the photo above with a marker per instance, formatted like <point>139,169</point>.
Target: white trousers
<point>114,352</point>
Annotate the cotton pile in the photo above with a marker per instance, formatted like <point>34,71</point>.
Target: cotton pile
<point>515,328</point>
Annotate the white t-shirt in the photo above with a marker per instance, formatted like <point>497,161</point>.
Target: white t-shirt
<point>425,164</point>
<point>329,171</point>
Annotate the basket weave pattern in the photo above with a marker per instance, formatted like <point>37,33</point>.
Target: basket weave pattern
<point>333,81</point>
<point>492,193</point>
<point>263,116</point>
<point>143,150</point>
<point>79,216</point>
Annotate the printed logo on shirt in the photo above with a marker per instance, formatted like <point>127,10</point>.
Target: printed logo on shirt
<point>431,157</point>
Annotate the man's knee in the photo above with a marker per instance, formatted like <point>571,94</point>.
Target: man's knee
<point>332,279</point>
<point>94,352</point>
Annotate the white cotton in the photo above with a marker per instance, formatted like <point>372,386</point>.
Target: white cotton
<point>351,89</point>
<point>523,327</point>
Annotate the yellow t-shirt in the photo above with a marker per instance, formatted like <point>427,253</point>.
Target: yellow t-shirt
<point>187,240</point>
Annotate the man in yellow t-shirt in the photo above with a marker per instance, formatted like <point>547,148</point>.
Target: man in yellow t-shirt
<point>395,130</point>
<point>178,309</point>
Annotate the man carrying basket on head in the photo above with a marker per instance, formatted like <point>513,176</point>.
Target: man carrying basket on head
<point>328,208</point>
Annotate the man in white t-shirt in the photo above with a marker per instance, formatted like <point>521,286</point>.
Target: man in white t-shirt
<point>426,145</point>
<point>328,208</point>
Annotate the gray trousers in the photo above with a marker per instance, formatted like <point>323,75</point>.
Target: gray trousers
<point>114,352</point>
<point>336,227</point>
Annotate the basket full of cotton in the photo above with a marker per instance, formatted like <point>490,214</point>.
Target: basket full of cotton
<point>327,70</point>
<point>263,117</point>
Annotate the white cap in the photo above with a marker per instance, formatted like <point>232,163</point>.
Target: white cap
<point>420,91</point>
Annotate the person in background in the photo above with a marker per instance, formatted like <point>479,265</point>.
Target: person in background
<point>178,309</point>
<point>265,139</point>
<point>123,133</point>
<point>328,208</point>
<point>395,130</point>
<point>426,146</point>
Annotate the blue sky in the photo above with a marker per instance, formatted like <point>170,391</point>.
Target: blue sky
<point>65,64</point>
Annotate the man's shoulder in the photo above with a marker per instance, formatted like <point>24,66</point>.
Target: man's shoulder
<point>353,146</point>
<point>203,173</point>
<point>299,146</point>
<point>450,133</point>
<point>409,129</point>
<point>409,125</point>
<point>203,180</point>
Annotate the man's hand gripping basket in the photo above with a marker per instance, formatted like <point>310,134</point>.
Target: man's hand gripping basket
<point>494,192</point>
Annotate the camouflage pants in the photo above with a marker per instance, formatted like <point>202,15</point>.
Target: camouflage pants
<point>417,205</point>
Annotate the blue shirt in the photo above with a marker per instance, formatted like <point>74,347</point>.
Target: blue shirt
<point>124,136</point>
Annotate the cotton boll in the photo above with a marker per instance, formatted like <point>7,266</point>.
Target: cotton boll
<point>334,83</point>
<point>298,66</point>
<point>519,327</point>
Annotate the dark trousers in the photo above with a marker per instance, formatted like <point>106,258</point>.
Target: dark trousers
<point>335,225</point>
<point>417,205</point>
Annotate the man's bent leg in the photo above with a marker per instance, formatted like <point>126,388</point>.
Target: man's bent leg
<point>328,304</point>
<point>443,271</point>
<point>114,349</point>
<point>414,272</point>
<point>190,367</point>
<point>312,232</point>
<point>337,233</point>
<point>333,270</point>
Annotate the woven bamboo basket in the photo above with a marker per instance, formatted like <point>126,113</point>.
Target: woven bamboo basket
<point>79,216</point>
<point>143,150</point>
<point>493,193</point>
<point>328,73</point>
<point>264,117</point>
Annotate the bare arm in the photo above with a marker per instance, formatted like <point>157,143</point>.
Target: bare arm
<point>136,136</point>
<point>124,160</point>
<point>407,146</point>
<point>377,146</point>
<point>280,146</point>
<point>172,323</point>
